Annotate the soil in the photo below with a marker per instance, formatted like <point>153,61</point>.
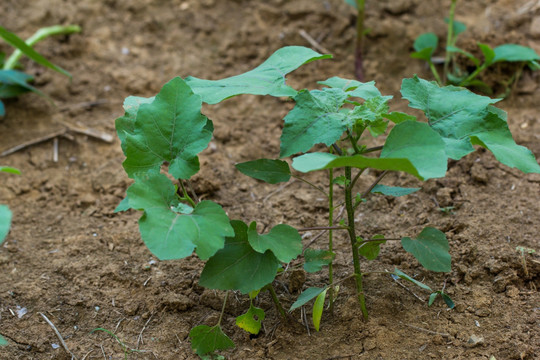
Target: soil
<point>70,258</point>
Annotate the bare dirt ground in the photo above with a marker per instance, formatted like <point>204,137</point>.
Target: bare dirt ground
<point>71,258</point>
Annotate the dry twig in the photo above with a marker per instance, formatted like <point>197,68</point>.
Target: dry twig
<point>312,41</point>
<point>58,335</point>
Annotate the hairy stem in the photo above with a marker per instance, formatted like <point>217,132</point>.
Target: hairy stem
<point>435,73</point>
<point>359,53</point>
<point>354,248</point>
<point>449,40</point>
<point>39,35</point>
<point>330,235</point>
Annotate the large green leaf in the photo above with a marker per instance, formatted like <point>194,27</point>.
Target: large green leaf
<point>20,44</point>
<point>318,161</point>
<point>430,248</point>
<point>171,232</point>
<point>463,118</point>
<point>283,240</point>
<point>5,222</point>
<point>237,266</point>
<point>353,88</point>
<point>251,320</point>
<point>266,79</point>
<point>422,146</point>
<point>126,124</point>
<point>206,339</point>
<point>315,119</point>
<point>271,171</point>
<point>411,147</point>
<point>514,52</point>
<point>170,129</point>
<point>3,341</point>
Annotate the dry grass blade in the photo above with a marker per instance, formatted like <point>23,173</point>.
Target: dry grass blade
<point>58,335</point>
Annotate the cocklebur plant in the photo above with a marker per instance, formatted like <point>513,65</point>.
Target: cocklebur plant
<point>167,132</point>
<point>426,45</point>
<point>14,82</point>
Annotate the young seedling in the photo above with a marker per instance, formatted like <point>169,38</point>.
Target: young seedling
<point>167,132</point>
<point>426,45</point>
<point>5,224</point>
<point>14,82</point>
<point>359,5</point>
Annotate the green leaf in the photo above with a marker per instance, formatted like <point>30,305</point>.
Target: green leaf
<point>19,43</point>
<point>237,266</point>
<point>371,113</point>
<point>169,234</point>
<point>318,307</point>
<point>430,248</point>
<point>451,111</point>
<point>2,109</point>
<point>14,83</point>
<point>514,52</point>
<point>123,205</point>
<point>315,259</point>
<point>457,27</point>
<point>352,3</point>
<point>425,45</point>
<point>306,296</point>
<point>395,191</point>
<point>170,129</point>
<point>398,117</point>
<point>432,298</point>
<point>10,170</point>
<point>422,146</point>
<point>448,300</point>
<point>315,119</point>
<point>404,276</point>
<point>3,341</point>
<point>318,161</point>
<point>353,88</point>
<point>463,119</point>
<point>251,320</point>
<point>494,135</point>
<point>126,124</point>
<point>270,171</point>
<point>489,54</point>
<point>206,339</point>
<point>283,240</point>
<point>370,249</point>
<point>266,79</point>
<point>5,222</point>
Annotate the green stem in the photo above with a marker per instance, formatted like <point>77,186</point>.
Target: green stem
<point>330,235</point>
<point>323,228</point>
<point>39,35</point>
<point>359,54</point>
<point>473,75</point>
<point>372,149</point>
<point>354,248</point>
<point>435,73</point>
<point>276,301</point>
<point>449,39</point>
<point>353,142</point>
<point>223,309</point>
<point>186,195</point>
<point>310,184</point>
